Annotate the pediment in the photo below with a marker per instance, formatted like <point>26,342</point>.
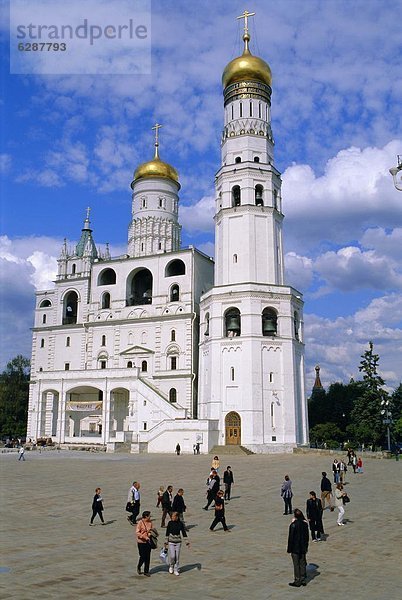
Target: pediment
<point>136,350</point>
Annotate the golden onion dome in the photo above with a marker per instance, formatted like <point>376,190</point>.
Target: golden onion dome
<point>156,168</point>
<point>246,68</point>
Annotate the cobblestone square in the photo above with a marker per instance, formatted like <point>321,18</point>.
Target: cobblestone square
<point>48,551</point>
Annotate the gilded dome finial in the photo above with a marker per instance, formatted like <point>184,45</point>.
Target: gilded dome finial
<point>246,35</point>
<point>157,127</point>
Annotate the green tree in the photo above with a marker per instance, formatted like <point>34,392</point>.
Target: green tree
<point>398,429</point>
<point>367,420</point>
<point>327,433</point>
<point>14,392</point>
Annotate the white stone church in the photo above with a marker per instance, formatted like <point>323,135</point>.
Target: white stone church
<point>161,346</point>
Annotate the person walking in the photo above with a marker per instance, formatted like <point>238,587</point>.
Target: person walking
<point>342,471</point>
<point>335,470</point>
<point>359,465</point>
<point>178,449</point>
<point>228,481</point>
<point>97,506</point>
<point>326,491</point>
<point>179,507</point>
<point>287,495</point>
<point>174,530</point>
<point>143,529</point>
<point>215,463</point>
<point>197,447</point>
<point>134,498</point>
<point>167,500</point>
<point>314,516</point>
<point>21,453</point>
<point>219,512</point>
<point>339,503</point>
<point>159,496</point>
<point>298,547</point>
<point>213,488</point>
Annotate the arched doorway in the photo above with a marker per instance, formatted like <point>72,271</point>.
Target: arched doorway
<point>233,429</point>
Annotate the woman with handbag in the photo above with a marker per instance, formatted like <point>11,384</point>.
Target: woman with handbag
<point>143,530</point>
<point>340,495</point>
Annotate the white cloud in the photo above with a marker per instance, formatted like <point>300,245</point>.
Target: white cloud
<point>5,163</point>
<point>337,344</point>
<point>298,271</point>
<point>199,216</point>
<point>354,193</point>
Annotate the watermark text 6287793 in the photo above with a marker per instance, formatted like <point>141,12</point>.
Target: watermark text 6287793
<point>94,37</point>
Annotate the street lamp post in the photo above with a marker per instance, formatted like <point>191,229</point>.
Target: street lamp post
<point>387,419</point>
<point>396,173</point>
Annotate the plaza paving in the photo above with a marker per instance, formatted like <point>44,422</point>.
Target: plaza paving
<point>48,551</point>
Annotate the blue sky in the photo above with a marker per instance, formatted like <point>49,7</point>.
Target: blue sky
<point>72,141</point>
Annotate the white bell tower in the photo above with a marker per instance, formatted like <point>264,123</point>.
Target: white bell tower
<point>251,349</point>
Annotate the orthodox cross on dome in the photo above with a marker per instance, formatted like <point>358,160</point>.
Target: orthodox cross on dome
<point>246,35</point>
<point>157,127</point>
<point>86,222</point>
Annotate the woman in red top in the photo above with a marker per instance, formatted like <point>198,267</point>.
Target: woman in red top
<point>144,526</point>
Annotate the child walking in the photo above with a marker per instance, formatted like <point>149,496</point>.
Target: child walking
<point>97,506</point>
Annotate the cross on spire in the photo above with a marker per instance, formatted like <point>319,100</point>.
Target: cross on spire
<point>245,16</point>
<point>157,127</point>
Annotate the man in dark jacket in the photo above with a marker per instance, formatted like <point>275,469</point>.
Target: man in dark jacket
<point>314,516</point>
<point>219,512</point>
<point>213,489</point>
<point>179,506</point>
<point>228,481</point>
<point>167,500</point>
<point>297,547</point>
<point>326,491</point>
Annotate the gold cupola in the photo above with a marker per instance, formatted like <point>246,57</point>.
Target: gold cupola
<point>156,167</point>
<point>246,67</point>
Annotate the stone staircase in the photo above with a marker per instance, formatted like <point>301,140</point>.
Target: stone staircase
<point>230,450</point>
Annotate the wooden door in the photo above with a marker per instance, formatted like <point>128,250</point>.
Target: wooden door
<point>233,429</point>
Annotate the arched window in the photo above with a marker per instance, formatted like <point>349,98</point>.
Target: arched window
<point>259,111</point>
<point>172,395</point>
<point>107,277</point>
<point>256,159</point>
<point>140,288</point>
<point>296,324</point>
<point>173,335</point>
<point>103,340</point>
<point>258,195</point>
<point>144,366</point>
<point>106,300</point>
<point>241,109</point>
<point>129,364</point>
<point>173,363</point>
<point>251,109</point>
<point>45,304</point>
<point>175,268</point>
<point>232,374</point>
<point>276,199</point>
<point>235,258</point>
<point>238,159</point>
<point>44,319</point>
<point>236,195</point>
<point>42,343</point>
<point>232,322</point>
<point>269,322</point>
<point>70,308</point>
<point>206,332</point>
<point>174,293</point>
<point>67,342</point>
<point>73,268</point>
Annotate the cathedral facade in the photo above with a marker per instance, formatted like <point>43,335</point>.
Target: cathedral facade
<point>161,345</point>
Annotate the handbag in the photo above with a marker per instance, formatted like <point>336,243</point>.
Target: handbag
<point>163,555</point>
<point>129,507</point>
<point>153,538</point>
<point>345,499</point>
